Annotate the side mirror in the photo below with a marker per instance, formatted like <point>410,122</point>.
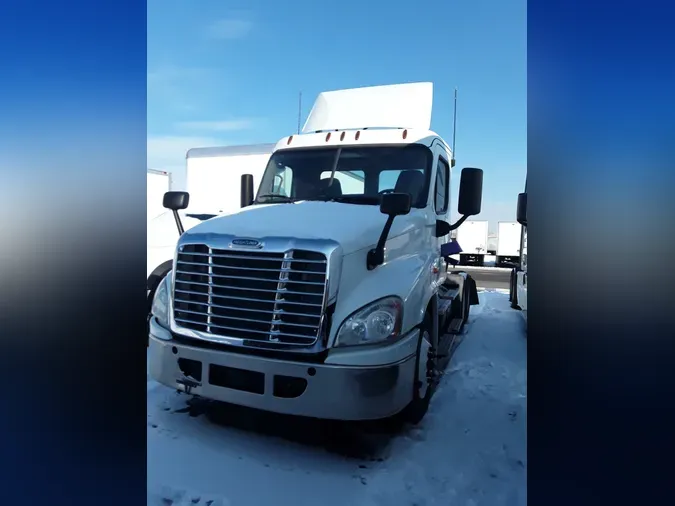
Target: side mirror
<point>246,190</point>
<point>442,228</point>
<point>521,212</point>
<point>176,201</point>
<point>470,192</point>
<point>395,204</point>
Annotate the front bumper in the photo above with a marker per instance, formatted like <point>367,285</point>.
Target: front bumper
<point>316,390</point>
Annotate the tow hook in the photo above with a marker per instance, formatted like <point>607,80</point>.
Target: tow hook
<point>188,384</point>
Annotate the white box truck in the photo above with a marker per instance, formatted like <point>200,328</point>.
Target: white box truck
<point>213,176</point>
<point>159,182</point>
<point>508,242</point>
<point>472,237</point>
<point>316,299</point>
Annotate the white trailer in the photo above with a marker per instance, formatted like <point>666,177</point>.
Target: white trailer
<point>159,182</point>
<point>214,175</point>
<point>472,237</point>
<point>508,242</point>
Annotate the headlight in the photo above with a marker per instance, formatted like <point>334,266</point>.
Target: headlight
<point>160,303</point>
<point>374,323</point>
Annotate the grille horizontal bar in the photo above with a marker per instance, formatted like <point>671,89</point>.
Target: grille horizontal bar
<point>251,295</point>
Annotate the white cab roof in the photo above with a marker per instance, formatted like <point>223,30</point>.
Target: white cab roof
<point>391,106</point>
<point>365,137</point>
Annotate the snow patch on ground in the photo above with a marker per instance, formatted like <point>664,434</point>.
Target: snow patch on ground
<point>470,449</point>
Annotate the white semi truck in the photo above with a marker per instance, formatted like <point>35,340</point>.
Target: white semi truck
<point>518,290</point>
<point>315,299</point>
<point>213,176</point>
<point>159,182</point>
<point>472,236</point>
<point>508,242</point>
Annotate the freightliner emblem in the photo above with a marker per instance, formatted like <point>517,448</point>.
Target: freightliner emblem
<point>246,243</point>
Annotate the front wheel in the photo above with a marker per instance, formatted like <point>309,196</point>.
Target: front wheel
<point>151,295</point>
<point>425,379</point>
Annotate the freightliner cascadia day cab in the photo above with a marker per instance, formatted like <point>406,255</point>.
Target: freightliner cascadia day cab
<point>325,296</point>
<point>518,291</point>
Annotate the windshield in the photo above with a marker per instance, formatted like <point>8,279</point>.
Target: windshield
<point>356,175</point>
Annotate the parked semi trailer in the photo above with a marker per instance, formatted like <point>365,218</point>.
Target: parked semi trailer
<point>472,236</point>
<point>213,178</point>
<point>508,242</point>
<point>316,300</point>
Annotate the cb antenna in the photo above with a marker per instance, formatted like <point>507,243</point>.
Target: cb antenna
<point>454,130</point>
<point>299,111</point>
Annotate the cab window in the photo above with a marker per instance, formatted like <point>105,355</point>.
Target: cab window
<point>442,191</point>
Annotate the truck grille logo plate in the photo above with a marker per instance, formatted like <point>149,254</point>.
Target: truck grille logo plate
<point>246,243</point>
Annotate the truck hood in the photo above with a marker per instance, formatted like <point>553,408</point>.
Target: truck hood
<point>353,226</point>
<point>162,231</point>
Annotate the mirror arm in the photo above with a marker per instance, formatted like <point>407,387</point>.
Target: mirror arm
<point>459,222</point>
<point>179,224</point>
<point>376,256</point>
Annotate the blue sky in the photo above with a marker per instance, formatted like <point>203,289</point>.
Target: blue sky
<point>229,73</point>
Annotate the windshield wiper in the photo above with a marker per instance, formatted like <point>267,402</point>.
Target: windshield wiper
<point>274,197</point>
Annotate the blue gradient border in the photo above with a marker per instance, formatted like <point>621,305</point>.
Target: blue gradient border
<point>601,216</point>
<point>73,145</point>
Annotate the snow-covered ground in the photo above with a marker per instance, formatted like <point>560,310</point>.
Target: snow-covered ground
<point>470,450</point>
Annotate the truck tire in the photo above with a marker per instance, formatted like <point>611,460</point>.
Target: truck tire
<point>466,298</point>
<point>463,311</point>
<point>151,295</point>
<point>514,290</point>
<point>425,366</point>
<point>511,276</point>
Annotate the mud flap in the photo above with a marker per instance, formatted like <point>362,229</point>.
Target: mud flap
<point>473,291</point>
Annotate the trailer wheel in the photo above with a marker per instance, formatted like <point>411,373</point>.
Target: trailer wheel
<point>425,381</point>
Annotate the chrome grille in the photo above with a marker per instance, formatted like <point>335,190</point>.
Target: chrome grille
<point>251,295</point>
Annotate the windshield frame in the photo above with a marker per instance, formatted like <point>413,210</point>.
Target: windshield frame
<point>270,172</point>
